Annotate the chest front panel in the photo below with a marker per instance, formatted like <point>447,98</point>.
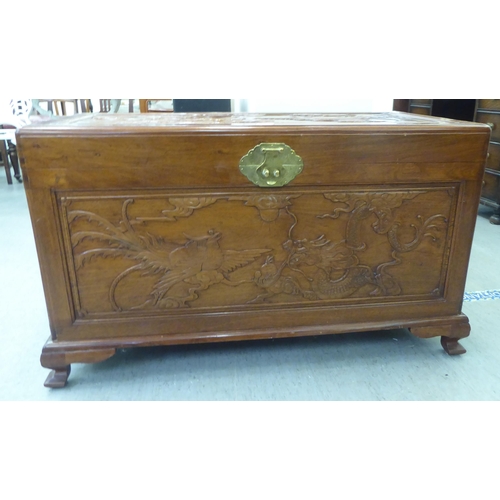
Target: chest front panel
<point>136,253</point>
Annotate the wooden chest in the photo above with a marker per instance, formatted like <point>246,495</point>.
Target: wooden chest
<point>169,229</point>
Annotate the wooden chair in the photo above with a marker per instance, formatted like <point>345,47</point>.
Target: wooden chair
<point>63,107</point>
<point>105,105</point>
<point>14,116</point>
<point>8,153</point>
<point>59,107</point>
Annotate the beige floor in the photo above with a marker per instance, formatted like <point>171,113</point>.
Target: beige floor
<point>366,366</point>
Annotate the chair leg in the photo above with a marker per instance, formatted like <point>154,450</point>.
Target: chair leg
<point>14,160</point>
<point>5,159</point>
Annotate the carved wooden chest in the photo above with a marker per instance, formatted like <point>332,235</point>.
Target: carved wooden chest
<point>169,229</point>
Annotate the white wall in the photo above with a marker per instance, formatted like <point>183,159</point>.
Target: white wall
<point>312,105</point>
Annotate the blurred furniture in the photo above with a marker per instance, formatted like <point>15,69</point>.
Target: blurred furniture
<point>185,105</point>
<point>488,111</point>
<point>148,106</point>
<point>8,153</point>
<point>477,110</point>
<point>105,105</point>
<point>13,116</point>
<point>202,105</point>
<point>456,109</point>
<point>63,107</point>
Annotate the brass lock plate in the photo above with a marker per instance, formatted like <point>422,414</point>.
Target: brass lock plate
<point>271,165</point>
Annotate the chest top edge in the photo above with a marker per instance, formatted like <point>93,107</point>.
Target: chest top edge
<point>104,124</point>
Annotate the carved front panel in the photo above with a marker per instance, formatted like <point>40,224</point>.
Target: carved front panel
<point>150,253</point>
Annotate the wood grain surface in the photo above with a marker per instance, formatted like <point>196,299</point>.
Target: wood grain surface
<point>148,234</point>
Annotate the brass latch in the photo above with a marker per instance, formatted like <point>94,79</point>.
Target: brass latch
<point>271,165</point>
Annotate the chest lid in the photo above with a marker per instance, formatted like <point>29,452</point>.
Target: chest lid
<point>247,149</point>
